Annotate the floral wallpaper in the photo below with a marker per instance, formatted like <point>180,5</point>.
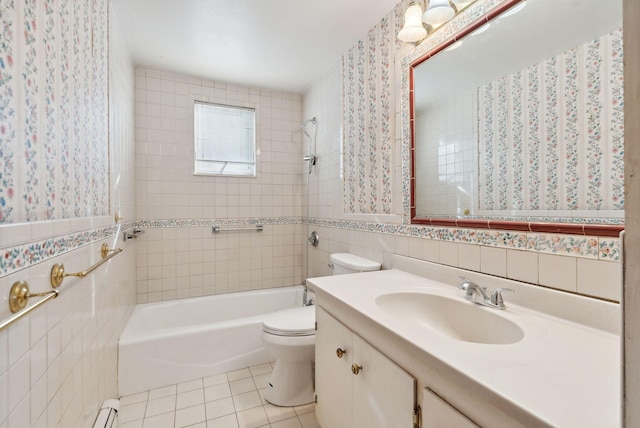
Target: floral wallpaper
<point>569,110</point>
<point>368,116</point>
<point>53,109</point>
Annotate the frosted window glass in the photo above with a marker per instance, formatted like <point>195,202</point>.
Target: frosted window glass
<point>225,142</point>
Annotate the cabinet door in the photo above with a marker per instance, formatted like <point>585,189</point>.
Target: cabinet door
<point>437,413</point>
<point>333,374</point>
<point>383,393</point>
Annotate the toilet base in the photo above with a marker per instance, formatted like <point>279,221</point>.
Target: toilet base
<point>291,384</point>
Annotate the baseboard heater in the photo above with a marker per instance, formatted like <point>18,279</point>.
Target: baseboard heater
<point>108,415</point>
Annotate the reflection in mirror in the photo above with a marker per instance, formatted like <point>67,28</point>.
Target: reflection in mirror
<point>522,119</point>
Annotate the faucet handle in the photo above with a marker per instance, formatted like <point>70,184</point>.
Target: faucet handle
<point>466,282</point>
<point>496,296</point>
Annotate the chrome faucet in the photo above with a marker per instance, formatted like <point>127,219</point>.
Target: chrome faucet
<point>493,301</point>
<point>305,296</point>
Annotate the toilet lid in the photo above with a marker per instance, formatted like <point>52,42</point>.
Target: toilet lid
<point>291,322</point>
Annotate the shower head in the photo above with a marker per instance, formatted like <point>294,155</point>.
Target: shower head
<point>312,120</point>
<point>305,123</point>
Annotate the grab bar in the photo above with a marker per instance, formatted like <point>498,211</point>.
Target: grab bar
<point>58,274</point>
<point>218,229</point>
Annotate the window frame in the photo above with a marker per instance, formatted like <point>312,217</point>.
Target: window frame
<point>201,172</point>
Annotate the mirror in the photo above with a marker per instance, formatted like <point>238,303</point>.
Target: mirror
<point>521,119</point>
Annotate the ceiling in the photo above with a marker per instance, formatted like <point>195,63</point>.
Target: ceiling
<point>276,44</point>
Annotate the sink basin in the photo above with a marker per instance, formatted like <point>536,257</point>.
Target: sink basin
<point>456,319</point>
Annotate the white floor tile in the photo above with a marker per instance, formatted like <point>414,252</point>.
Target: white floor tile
<point>241,386</point>
<point>209,403</point>
<point>262,381</point>
<point>162,392</point>
<point>132,424</point>
<point>135,398</point>
<point>191,398</point>
<point>309,420</point>
<point>261,369</point>
<point>307,408</point>
<point>215,409</point>
<point>165,420</point>
<point>275,413</point>
<point>252,418</point>
<point>132,412</point>
<point>246,401</point>
<point>189,386</point>
<point>217,392</point>
<point>238,374</point>
<point>287,423</point>
<point>229,421</point>
<point>160,405</point>
<point>190,415</point>
<point>215,380</point>
<point>262,393</point>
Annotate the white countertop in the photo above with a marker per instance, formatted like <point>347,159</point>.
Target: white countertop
<point>561,373</point>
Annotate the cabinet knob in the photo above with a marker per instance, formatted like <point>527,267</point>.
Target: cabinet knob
<point>355,368</point>
<point>340,352</point>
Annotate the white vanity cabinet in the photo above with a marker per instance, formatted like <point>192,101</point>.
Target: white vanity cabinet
<point>356,385</point>
<point>437,413</point>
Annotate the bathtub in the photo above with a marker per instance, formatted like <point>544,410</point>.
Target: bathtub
<point>171,342</point>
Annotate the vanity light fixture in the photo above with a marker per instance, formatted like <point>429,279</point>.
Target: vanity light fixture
<point>413,30</point>
<point>437,13</point>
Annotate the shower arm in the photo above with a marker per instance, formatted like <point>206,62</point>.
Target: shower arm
<point>311,157</point>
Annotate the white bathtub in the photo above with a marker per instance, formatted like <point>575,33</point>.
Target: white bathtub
<point>171,342</point>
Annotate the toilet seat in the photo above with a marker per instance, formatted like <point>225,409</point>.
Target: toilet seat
<point>291,322</point>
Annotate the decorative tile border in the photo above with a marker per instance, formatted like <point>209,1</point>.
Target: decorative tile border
<point>13,259</point>
<point>575,246</point>
<point>609,249</point>
<point>206,222</point>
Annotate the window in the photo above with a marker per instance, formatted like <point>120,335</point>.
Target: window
<point>225,140</point>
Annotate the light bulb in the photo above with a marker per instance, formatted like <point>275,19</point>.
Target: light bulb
<point>413,30</point>
<point>438,12</point>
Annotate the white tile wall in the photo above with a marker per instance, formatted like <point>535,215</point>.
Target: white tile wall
<point>522,266</point>
<point>558,272</point>
<point>175,263</point>
<point>166,186</point>
<point>446,169</point>
<point>191,261</point>
<point>600,278</point>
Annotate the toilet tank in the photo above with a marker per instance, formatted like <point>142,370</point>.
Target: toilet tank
<point>349,263</point>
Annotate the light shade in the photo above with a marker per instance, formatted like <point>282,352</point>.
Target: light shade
<point>413,30</point>
<point>438,12</point>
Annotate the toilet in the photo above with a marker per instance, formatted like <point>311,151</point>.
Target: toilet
<point>290,337</point>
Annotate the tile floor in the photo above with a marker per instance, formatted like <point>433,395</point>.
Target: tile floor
<point>230,400</point>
